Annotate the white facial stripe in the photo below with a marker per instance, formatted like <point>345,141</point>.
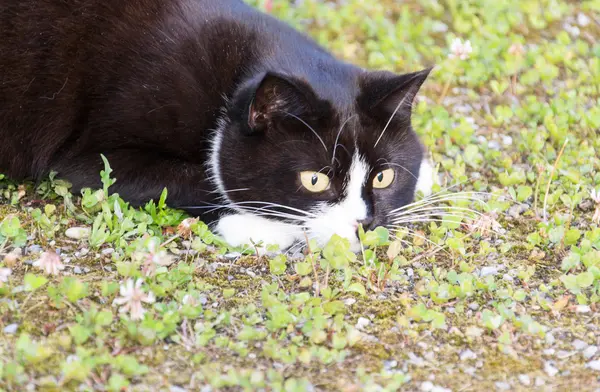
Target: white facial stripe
<point>356,180</point>
<point>342,218</point>
<point>426,180</point>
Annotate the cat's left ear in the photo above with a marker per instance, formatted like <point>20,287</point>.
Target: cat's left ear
<point>385,95</point>
<point>277,98</point>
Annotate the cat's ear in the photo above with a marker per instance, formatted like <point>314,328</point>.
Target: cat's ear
<point>279,97</point>
<point>385,95</point>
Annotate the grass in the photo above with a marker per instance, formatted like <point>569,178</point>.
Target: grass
<point>511,308</point>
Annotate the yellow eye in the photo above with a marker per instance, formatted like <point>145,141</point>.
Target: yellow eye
<point>314,181</point>
<point>383,179</point>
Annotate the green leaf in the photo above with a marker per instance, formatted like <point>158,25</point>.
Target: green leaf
<point>33,282</point>
<point>357,288</point>
<point>74,289</point>
<point>80,333</point>
<point>105,175</point>
<point>277,265</point>
<point>585,279</point>
<point>303,268</point>
<point>570,283</point>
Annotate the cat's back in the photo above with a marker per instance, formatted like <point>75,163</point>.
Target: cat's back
<point>106,74</point>
<point>63,62</point>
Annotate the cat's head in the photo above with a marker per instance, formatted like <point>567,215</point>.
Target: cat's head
<point>317,166</point>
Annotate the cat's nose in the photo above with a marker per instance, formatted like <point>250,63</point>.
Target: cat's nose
<point>366,223</point>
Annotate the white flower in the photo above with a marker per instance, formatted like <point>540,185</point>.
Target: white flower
<point>460,49</point>
<point>595,196</point>
<point>151,256</point>
<point>132,297</point>
<point>50,263</point>
<point>485,223</point>
<point>4,274</point>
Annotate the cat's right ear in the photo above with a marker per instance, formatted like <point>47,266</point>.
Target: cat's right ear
<point>276,98</point>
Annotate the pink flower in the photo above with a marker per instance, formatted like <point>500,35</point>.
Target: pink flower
<point>132,297</point>
<point>268,5</point>
<point>516,49</point>
<point>50,263</point>
<point>459,49</point>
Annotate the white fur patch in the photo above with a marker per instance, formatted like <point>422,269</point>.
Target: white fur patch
<point>426,180</point>
<point>342,218</point>
<point>246,229</point>
<point>214,166</point>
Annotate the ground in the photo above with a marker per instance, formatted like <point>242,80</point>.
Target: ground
<point>496,295</point>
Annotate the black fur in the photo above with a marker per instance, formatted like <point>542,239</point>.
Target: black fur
<point>148,82</point>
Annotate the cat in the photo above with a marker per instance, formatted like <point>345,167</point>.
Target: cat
<point>247,122</point>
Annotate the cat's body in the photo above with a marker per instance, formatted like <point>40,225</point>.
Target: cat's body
<point>221,104</point>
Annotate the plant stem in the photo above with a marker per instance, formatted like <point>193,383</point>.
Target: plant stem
<point>552,175</point>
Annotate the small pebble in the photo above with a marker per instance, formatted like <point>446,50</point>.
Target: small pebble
<point>508,278</point>
<point>439,27</point>
<point>539,381</point>
<point>467,354</point>
<point>562,354</point>
<point>550,369</point>
<point>428,386</point>
<point>175,388</point>
<point>524,379</point>
<point>415,360</point>
<point>474,306</point>
<point>349,301</point>
<point>388,365</point>
<point>507,140</point>
<point>107,251</point>
<point>78,233</point>
<point>583,309</point>
<point>11,328</point>
<point>579,344</point>
<point>362,323</point>
<point>494,145</point>
<point>233,255</point>
<point>34,249</point>
<point>77,270</point>
<point>502,386</point>
<point>590,352</point>
<point>594,365</point>
<point>550,338</point>
<point>582,19</point>
<point>487,271</point>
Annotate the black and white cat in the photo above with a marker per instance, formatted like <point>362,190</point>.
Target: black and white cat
<point>247,122</point>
